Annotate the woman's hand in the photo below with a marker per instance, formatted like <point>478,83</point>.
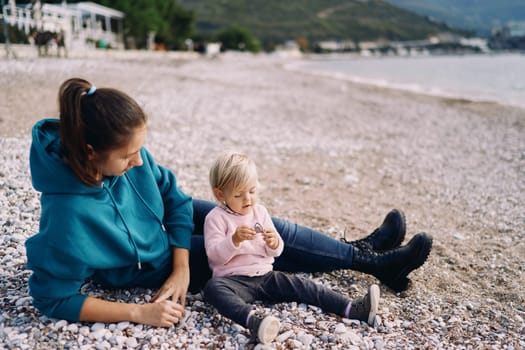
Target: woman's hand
<point>243,233</point>
<point>176,285</point>
<point>165,313</point>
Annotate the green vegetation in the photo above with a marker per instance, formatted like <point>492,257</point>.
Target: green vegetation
<point>236,38</point>
<point>275,21</point>
<point>171,23</point>
<point>267,23</point>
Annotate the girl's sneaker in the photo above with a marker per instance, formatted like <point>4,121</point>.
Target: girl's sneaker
<point>263,329</point>
<point>365,308</point>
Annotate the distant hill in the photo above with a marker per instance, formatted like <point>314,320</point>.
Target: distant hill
<point>275,21</point>
<point>480,16</point>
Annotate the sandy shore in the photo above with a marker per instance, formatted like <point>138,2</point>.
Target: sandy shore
<point>332,155</point>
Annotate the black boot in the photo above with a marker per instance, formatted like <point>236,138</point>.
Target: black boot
<point>393,266</point>
<point>387,236</point>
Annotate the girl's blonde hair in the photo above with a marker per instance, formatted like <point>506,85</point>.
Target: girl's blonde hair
<point>232,169</point>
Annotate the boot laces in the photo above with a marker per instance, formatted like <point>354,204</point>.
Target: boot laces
<point>368,254</point>
<point>359,309</point>
<point>363,244</point>
<point>344,239</point>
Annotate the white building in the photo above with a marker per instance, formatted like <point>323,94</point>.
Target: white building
<point>84,24</point>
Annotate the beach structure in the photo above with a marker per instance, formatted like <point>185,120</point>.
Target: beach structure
<point>82,25</point>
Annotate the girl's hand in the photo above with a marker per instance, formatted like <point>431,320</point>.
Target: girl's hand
<point>165,313</point>
<point>270,238</point>
<point>243,233</point>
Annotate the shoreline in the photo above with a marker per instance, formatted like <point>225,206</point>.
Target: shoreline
<point>311,66</point>
<point>332,155</point>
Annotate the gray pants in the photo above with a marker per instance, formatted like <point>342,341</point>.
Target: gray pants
<point>232,295</point>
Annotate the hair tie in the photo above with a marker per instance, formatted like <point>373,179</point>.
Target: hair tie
<point>91,90</point>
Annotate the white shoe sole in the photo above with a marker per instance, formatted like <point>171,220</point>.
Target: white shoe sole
<point>268,329</point>
<point>373,293</point>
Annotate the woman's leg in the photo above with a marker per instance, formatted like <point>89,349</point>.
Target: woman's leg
<point>308,250</point>
<point>312,251</point>
<point>200,271</point>
<point>201,208</point>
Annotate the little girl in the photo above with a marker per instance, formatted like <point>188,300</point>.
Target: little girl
<point>241,243</point>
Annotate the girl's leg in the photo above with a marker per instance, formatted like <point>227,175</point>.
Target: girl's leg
<point>232,296</point>
<point>281,287</point>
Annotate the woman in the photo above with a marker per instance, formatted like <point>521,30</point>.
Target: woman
<point>111,214</point>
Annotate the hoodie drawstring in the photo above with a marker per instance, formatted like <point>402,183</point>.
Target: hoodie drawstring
<point>137,256</point>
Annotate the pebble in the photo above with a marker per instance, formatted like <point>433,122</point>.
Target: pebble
<point>131,343</point>
<point>283,336</point>
<point>97,326</point>
<point>340,328</point>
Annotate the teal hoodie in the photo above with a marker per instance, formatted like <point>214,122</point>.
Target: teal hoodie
<point>107,233</point>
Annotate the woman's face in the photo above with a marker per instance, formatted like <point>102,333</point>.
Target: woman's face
<point>120,160</point>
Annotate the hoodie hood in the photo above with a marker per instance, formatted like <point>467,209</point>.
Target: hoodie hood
<point>49,173</point>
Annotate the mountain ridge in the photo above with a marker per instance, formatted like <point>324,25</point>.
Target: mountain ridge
<point>274,22</point>
<point>481,16</point>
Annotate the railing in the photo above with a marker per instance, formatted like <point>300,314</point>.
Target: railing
<point>57,18</point>
<point>22,18</point>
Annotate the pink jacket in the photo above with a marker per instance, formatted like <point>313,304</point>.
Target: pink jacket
<point>251,258</point>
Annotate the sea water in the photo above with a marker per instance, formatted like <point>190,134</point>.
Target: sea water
<point>483,77</point>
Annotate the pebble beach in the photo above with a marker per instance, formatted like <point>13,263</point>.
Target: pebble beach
<point>333,155</point>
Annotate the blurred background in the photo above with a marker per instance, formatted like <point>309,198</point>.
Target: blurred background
<point>391,27</point>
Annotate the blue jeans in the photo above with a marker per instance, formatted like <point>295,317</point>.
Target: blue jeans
<point>305,250</point>
<point>232,295</point>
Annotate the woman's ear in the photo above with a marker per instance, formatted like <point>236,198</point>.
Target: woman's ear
<point>218,194</point>
<point>91,152</point>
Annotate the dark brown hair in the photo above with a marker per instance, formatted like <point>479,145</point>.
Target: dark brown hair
<point>103,118</point>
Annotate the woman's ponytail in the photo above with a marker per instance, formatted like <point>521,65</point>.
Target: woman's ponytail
<point>94,120</point>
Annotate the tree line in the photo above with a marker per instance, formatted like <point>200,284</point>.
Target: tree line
<point>171,23</point>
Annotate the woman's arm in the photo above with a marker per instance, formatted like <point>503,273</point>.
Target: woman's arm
<point>165,313</point>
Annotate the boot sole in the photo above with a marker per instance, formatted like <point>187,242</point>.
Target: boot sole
<point>400,282</point>
<point>402,229</point>
<point>374,294</point>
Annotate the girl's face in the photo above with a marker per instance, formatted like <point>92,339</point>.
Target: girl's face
<point>120,160</point>
<point>240,200</point>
